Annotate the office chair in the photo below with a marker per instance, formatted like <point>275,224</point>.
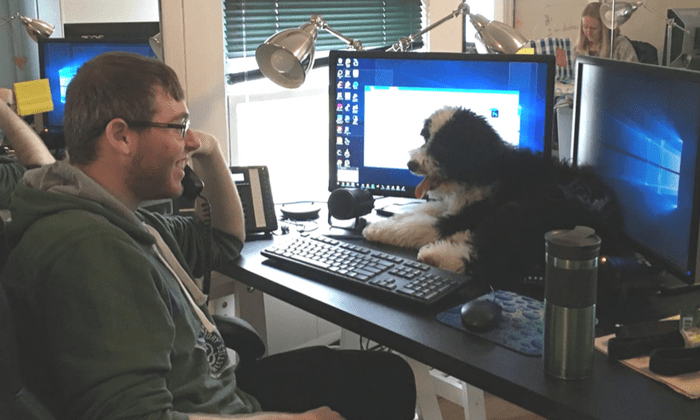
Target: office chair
<point>646,53</point>
<point>17,402</point>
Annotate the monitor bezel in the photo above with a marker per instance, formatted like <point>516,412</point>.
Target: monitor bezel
<point>410,192</point>
<point>692,274</point>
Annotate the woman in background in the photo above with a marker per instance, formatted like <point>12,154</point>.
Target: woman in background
<point>594,37</point>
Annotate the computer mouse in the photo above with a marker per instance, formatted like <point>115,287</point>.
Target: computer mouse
<point>481,315</point>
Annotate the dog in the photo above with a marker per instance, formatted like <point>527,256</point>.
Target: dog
<point>490,203</point>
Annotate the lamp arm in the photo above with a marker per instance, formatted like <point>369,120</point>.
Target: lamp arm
<point>322,24</point>
<point>669,21</point>
<point>403,43</point>
<point>10,19</point>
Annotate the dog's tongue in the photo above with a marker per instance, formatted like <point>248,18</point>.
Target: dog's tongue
<point>425,185</point>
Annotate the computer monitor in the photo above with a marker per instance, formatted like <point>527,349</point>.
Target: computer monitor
<point>59,60</point>
<point>379,101</point>
<point>684,46</point>
<point>638,127</point>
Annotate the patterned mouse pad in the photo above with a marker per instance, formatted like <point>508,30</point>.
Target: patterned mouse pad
<point>521,327</point>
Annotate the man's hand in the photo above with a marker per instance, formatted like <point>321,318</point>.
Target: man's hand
<point>208,144</point>
<point>209,163</point>
<point>8,97</point>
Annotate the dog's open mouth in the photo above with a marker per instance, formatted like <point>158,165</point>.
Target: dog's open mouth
<point>428,183</point>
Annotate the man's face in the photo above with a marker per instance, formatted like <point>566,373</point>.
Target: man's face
<point>162,153</point>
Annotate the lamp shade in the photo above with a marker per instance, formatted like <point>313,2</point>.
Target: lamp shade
<point>287,56</point>
<point>156,44</point>
<point>37,29</point>
<point>497,36</point>
<point>623,11</point>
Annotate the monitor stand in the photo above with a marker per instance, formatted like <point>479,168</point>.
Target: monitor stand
<point>345,231</point>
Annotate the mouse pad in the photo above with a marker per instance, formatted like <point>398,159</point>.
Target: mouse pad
<point>521,327</point>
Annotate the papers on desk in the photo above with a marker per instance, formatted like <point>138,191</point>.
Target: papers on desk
<point>687,384</point>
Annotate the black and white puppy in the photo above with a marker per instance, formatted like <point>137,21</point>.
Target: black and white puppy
<point>491,203</point>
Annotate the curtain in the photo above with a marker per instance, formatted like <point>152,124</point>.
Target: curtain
<point>376,23</point>
<point>19,55</point>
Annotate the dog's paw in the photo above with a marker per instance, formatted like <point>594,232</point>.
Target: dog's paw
<point>448,254</point>
<point>406,232</point>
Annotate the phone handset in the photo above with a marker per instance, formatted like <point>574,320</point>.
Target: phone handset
<point>191,184</point>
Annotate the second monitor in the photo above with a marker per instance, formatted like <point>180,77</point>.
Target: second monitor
<point>379,100</point>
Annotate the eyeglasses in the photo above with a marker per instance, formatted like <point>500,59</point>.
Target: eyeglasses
<point>182,127</point>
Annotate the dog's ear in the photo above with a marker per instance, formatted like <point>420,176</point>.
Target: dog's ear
<point>467,147</point>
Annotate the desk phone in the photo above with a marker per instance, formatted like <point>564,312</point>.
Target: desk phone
<point>253,183</point>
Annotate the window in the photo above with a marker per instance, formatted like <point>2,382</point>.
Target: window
<point>287,130</point>
<point>376,23</point>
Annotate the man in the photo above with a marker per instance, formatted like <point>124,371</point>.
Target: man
<point>109,321</point>
<point>29,149</point>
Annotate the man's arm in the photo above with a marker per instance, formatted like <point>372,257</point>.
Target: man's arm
<point>209,164</point>
<point>28,146</point>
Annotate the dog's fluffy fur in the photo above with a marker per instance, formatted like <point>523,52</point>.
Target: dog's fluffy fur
<point>491,204</point>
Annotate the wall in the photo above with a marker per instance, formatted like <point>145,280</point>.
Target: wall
<point>537,19</point>
<point>561,18</point>
<point>92,11</point>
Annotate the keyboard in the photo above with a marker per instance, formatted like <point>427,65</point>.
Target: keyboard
<point>348,264</point>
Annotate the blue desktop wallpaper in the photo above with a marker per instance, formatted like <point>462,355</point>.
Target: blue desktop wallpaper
<point>60,60</point>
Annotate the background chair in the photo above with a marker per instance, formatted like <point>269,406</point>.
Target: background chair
<point>646,53</point>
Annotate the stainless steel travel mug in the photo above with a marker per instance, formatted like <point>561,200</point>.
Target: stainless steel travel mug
<point>570,295</point>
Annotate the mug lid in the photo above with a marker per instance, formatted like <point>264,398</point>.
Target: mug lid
<point>576,244</point>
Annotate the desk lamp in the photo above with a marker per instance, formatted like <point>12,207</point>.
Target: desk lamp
<point>623,11</point>
<point>287,56</point>
<point>37,29</point>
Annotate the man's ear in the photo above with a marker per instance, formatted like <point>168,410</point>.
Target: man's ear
<point>119,137</point>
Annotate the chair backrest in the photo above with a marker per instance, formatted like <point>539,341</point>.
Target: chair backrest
<point>646,53</point>
<point>16,402</point>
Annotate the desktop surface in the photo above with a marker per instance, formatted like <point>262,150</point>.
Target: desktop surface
<point>614,391</point>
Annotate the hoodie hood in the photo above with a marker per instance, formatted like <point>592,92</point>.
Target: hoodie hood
<point>61,187</point>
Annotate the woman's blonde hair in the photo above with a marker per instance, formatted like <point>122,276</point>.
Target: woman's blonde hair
<point>583,45</point>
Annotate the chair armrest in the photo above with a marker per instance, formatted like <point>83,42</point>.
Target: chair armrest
<point>240,336</point>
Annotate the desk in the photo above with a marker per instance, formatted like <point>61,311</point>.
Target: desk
<point>613,392</point>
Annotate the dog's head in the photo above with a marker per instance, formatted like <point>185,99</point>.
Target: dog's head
<point>459,146</point>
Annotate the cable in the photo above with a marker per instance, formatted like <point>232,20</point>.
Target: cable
<point>208,243</point>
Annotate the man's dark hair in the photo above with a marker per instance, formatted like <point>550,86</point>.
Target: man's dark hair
<point>112,85</point>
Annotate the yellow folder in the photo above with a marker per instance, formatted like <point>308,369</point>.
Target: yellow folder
<point>33,97</point>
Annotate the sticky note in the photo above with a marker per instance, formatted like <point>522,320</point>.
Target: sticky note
<point>33,97</point>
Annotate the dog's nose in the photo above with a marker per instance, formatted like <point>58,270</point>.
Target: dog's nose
<point>412,165</point>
